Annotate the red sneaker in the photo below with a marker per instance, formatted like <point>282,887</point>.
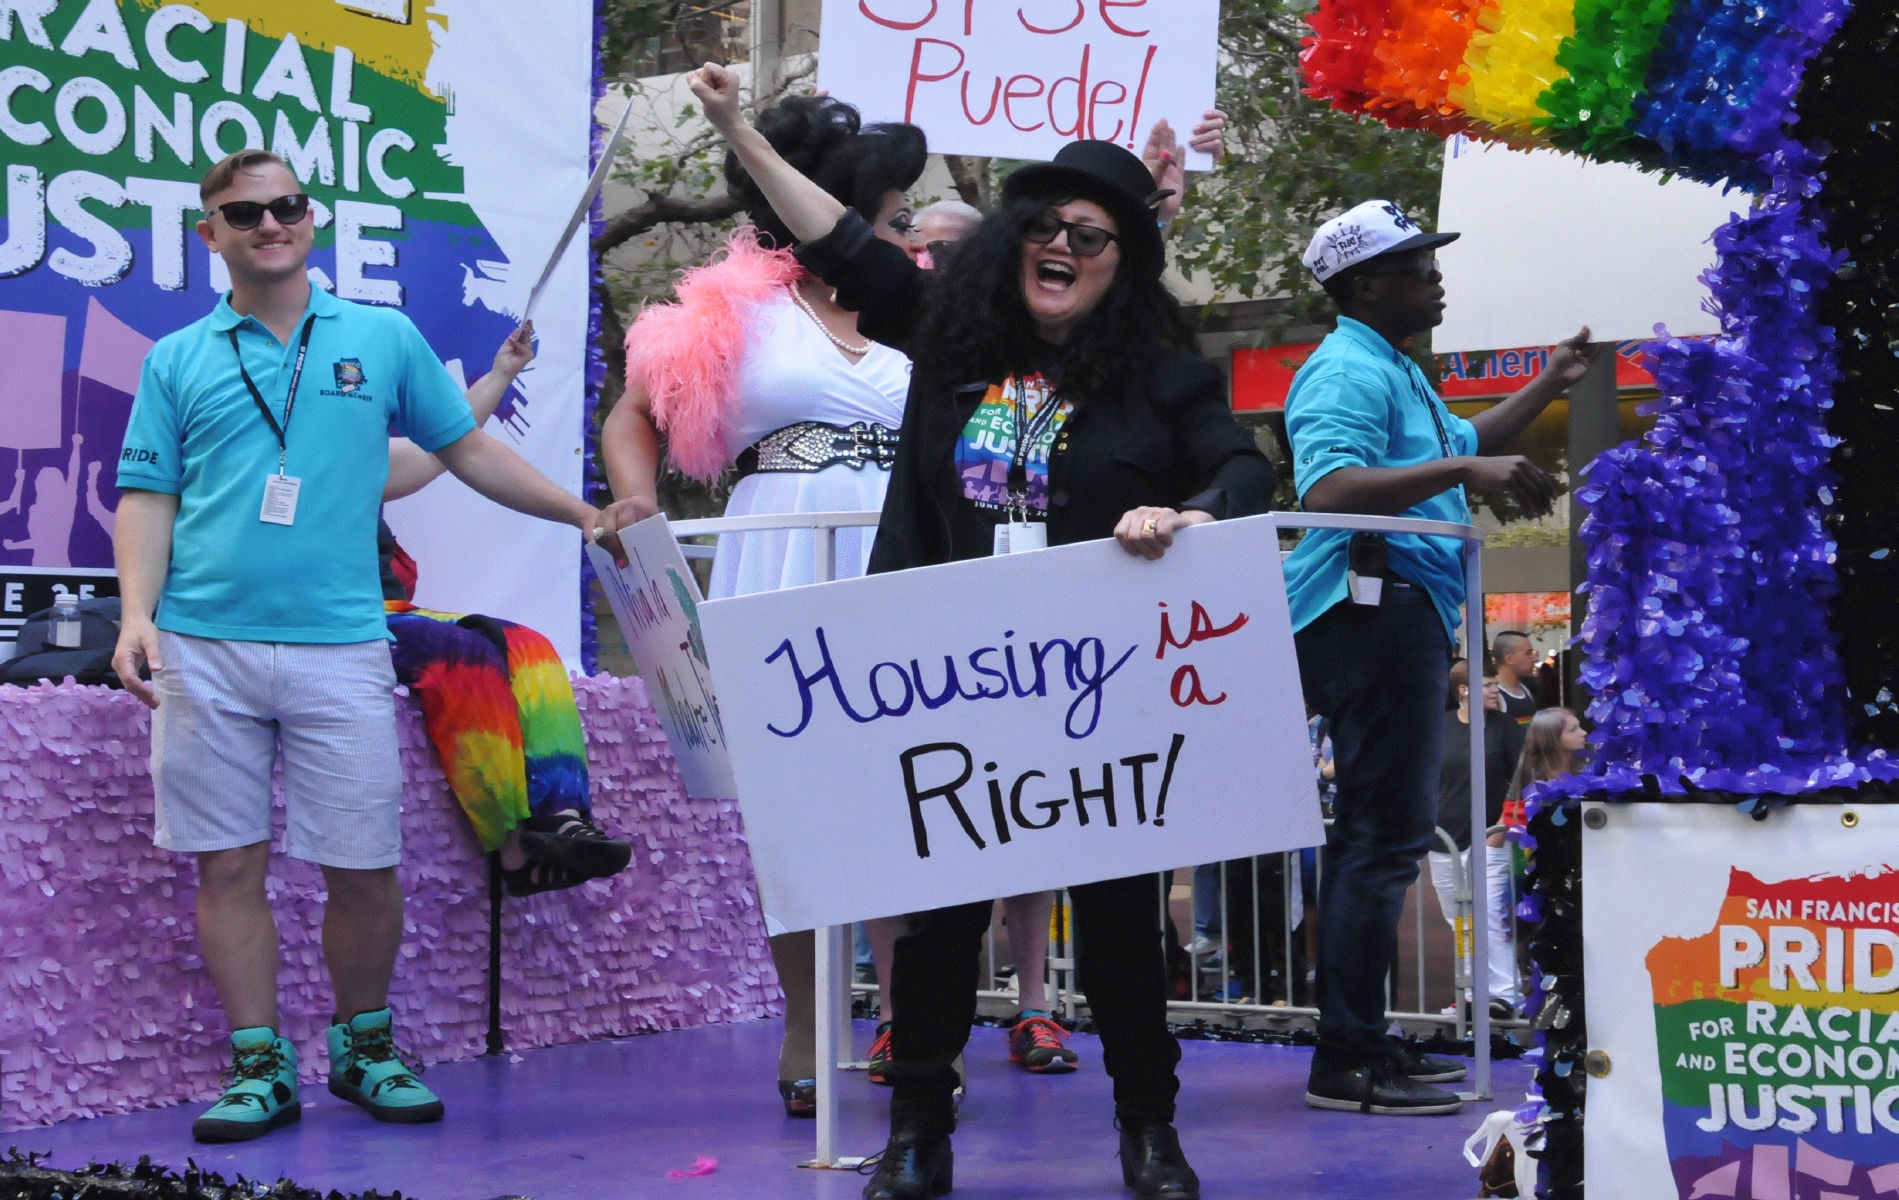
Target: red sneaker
<point>1041,1045</point>
<point>879,1056</point>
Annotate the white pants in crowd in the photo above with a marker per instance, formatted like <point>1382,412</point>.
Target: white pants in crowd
<point>1503,963</point>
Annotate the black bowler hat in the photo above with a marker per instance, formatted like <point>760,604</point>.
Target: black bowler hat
<point>1112,177</point>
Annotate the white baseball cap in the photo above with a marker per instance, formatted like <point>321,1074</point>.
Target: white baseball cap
<point>1373,228</point>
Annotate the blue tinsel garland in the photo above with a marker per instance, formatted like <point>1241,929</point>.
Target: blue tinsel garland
<point>1710,658</point>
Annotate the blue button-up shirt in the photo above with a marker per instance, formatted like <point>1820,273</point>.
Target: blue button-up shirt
<point>1359,402</point>
<point>195,433</point>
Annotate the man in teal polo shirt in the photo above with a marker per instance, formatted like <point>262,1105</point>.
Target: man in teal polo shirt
<point>1370,435</point>
<point>253,467</point>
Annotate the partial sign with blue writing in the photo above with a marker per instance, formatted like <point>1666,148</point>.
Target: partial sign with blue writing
<point>1013,724</point>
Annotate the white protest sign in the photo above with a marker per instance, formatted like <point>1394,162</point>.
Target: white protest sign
<point>656,601</point>
<point>1022,79</point>
<point>985,728</point>
<point>1552,242</point>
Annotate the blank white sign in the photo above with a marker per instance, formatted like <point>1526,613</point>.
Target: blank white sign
<point>1553,242</point>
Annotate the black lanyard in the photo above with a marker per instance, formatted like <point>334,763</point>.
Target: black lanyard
<point>1443,439</point>
<point>1027,433</point>
<point>290,402</point>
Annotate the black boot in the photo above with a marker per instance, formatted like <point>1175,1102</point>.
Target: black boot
<point>1152,1164</point>
<point>916,1164</point>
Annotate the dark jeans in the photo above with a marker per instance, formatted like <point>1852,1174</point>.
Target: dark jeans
<point>1379,674</point>
<point>1122,969</point>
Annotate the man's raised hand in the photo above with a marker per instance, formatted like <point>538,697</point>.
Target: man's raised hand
<point>1572,358</point>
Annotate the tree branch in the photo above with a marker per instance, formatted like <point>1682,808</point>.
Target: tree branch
<point>660,210</point>
<point>971,176</point>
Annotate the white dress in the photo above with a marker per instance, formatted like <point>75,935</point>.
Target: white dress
<point>792,373</point>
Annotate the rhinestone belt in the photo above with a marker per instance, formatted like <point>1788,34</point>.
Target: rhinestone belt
<point>814,445</point>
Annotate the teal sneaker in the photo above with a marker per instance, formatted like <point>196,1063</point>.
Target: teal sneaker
<point>365,1071</point>
<point>263,1091</point>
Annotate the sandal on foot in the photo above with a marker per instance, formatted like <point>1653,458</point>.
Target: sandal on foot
<point>574,843</point>
<point>537,877</point>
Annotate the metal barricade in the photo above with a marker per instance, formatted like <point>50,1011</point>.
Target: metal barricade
<point>1261,967</point>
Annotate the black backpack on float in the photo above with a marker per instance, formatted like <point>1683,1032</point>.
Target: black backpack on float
<point>91,663</point>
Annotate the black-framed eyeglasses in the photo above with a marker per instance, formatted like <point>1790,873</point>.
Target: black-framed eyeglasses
<point>1086,240</point>
<point>1424,267</point>
<point>246,214</point>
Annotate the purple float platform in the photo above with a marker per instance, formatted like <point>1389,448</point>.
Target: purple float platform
<point>610,1118</point>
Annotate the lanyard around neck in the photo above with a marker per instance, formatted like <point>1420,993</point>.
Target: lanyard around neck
<point>1027,433</point>
<point>1424,394</point>
<point>290,401</point>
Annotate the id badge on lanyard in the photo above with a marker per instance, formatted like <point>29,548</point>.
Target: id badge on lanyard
<point>1020,537</point>
<point>280,490</point>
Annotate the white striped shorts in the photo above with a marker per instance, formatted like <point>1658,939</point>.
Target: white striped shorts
<point>227,708</point>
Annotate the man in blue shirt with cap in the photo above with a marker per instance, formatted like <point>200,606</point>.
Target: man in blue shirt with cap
<point>1370,435</point>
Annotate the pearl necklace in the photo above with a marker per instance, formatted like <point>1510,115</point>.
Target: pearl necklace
<point>797,294</point>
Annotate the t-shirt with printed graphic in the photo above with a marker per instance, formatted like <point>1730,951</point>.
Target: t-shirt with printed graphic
<point>986,451</point>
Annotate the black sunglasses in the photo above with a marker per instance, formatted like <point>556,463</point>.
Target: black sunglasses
<point>939,249</point>
<point>246,214</point>
<point>1086,240</point>
<point>1424,267</point>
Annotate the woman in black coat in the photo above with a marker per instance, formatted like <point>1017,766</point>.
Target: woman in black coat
<point>1051,319</point>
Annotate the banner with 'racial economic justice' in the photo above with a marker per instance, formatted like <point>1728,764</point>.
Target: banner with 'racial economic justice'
<point>435,191</point>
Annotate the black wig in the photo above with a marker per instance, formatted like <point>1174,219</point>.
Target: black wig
<point>977,324</point>
<point>827,142</point>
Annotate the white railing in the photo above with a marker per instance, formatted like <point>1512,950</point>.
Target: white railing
<point>834,959</point>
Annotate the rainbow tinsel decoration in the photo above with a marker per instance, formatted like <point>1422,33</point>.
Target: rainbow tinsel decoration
<point>1696,87</point>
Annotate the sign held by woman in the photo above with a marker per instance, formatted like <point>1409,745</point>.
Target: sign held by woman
<point>936,736</point>
<point>1020,80</point>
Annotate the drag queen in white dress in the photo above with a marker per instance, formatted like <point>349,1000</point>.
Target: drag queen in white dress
<point>757,367</point>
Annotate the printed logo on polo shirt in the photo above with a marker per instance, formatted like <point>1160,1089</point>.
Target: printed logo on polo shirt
<point>349,376</point>
<point>350,380</point>
<point>133,454</point>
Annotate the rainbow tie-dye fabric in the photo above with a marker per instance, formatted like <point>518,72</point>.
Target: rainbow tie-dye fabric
<point>499,711</point>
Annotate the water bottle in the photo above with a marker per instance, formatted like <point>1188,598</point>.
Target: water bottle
<point>66,628</point>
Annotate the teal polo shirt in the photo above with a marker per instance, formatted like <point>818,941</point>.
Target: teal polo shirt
<point>1359,402</point>
<point>196,433</point>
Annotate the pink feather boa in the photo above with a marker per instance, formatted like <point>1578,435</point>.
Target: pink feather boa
<point>686,355</point>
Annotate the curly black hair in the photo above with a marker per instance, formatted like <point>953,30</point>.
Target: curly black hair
<point>977,324</point>
<point>828,142</point>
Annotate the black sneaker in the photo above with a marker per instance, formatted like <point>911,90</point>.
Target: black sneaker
<point>1376,1088</point>
<point>1415,1065</point>
<point>575,844</point>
